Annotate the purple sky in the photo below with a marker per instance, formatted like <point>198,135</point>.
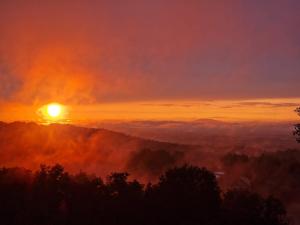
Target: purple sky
<point>106,51</point>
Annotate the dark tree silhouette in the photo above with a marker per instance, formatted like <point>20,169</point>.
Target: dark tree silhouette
<point>297,127</point>
<point>185,195</point>
<point>125,199</point>
<point>85,200</point>
<point>14,187</point>
<point>247,208</point>
<point>50,186</point>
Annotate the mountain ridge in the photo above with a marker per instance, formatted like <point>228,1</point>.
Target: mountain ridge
<point>96,150</point>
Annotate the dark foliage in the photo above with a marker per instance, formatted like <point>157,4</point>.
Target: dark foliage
<point>244,207</point>
<point>185,195</point>
<point>297,127</point>
<point>276,173</point>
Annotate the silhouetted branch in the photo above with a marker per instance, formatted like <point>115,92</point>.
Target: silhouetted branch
<point>297,127</point>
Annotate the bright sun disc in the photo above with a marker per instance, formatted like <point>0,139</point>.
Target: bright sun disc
<point>54,110</point>
<point>53,113</point>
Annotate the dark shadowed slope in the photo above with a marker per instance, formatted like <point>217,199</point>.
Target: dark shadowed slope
<point>94,150</point>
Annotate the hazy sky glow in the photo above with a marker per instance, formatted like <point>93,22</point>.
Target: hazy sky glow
<point>138,59</point>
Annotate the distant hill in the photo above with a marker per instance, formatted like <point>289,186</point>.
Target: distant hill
<point>101,151</point>
<point>98,151</point>
<point>213,136</point>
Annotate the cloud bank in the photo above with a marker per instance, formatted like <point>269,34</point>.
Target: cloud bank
<point>103,51</point>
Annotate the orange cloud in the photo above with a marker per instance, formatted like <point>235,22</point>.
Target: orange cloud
<point>94,52</point>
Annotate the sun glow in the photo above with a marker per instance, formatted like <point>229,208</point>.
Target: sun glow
<point>54,110</point>
<point>53,113</point>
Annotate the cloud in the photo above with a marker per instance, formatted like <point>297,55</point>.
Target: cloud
<point>269,104</point>
<point>100,51</point>
<point>263,104</point>
<point>168,105</point>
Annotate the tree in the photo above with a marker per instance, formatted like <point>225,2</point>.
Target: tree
<point>297,127</point>
<point>185,195</point>
<point>248,208</point>
<point>49,189</point>
<point>84,200</point>
<point>13,190</point>
<point>124,200</point>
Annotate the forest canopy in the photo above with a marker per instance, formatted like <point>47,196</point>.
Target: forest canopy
<point>183,195</point>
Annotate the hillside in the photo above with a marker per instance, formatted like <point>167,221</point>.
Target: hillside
<point>98,151</point>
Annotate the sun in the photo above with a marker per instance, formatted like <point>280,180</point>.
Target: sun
<point>54,110</point>
<point>53,113</point>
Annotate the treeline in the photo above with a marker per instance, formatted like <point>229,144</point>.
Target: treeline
<point>297,127</point>
<point>275,173</point>
<point>184,195</point>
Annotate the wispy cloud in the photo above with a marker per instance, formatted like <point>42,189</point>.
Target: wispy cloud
<point>263,104</point>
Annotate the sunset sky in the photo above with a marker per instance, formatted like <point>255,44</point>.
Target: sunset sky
<point>152,60</point>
